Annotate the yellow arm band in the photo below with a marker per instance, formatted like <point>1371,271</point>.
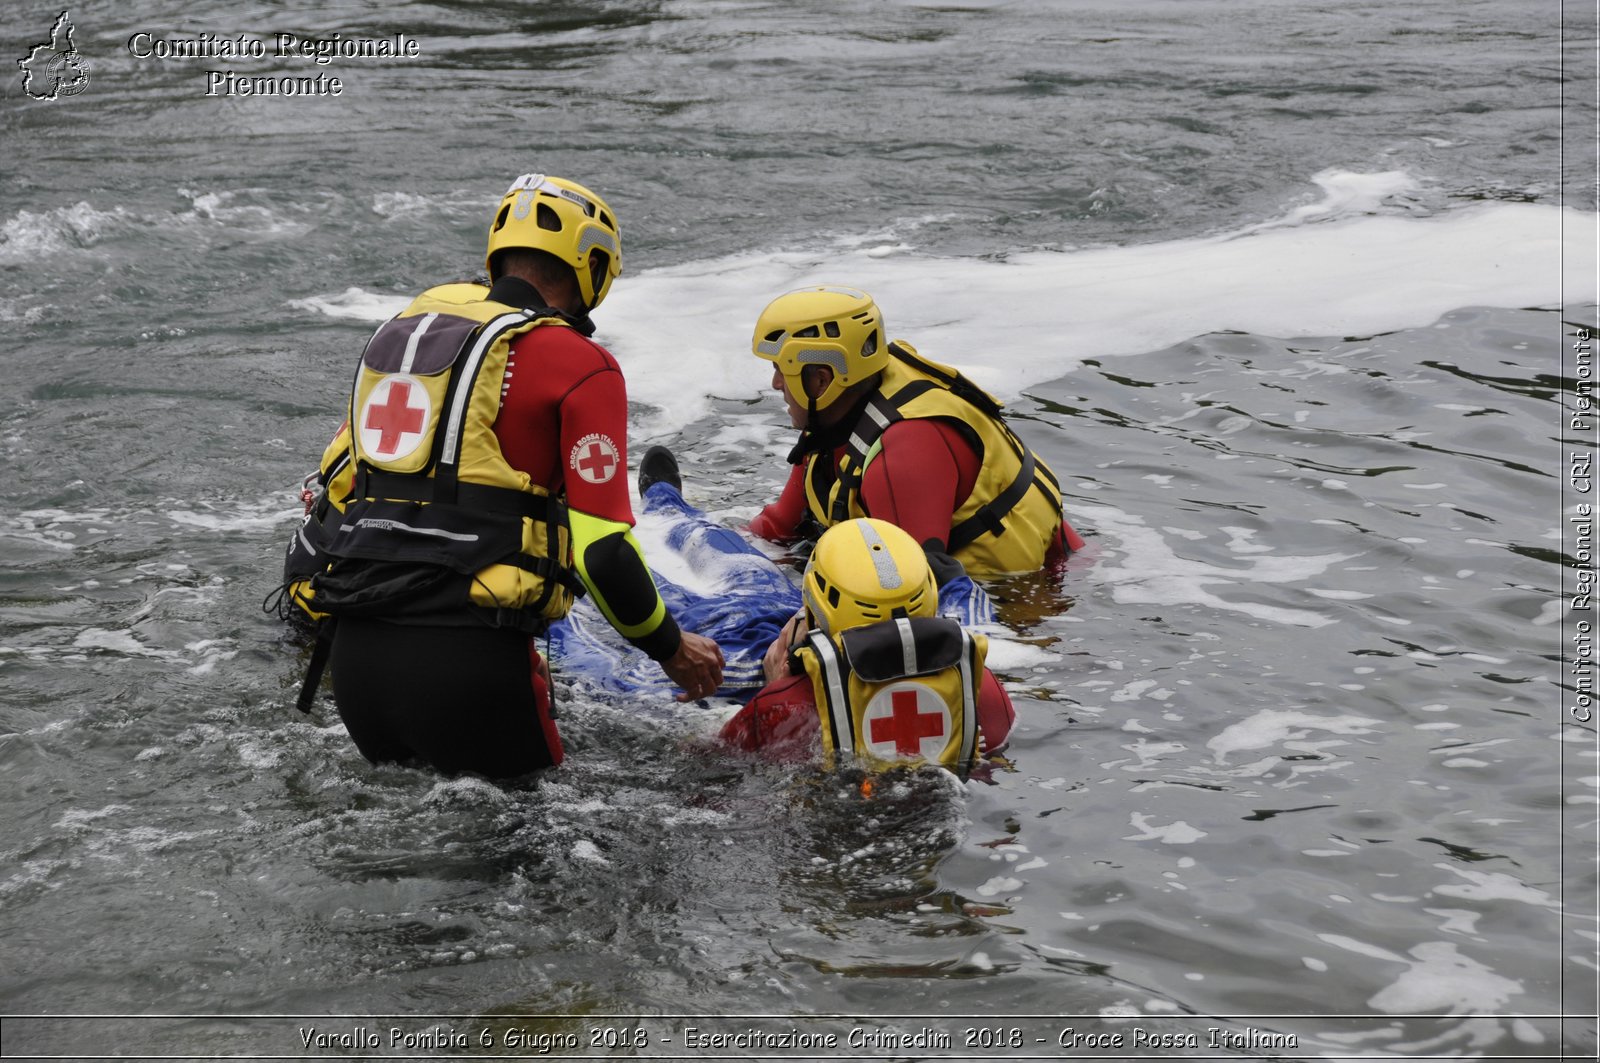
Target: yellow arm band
<point>612,566</point>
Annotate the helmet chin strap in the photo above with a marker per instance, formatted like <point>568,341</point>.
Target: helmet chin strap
<point>808,434</point>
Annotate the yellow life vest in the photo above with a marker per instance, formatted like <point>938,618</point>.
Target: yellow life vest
<point>899,692</point>
<point>1006,524</point>
<point>305,557</point>
<point>436,526</point>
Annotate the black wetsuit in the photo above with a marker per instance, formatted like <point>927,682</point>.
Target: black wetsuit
<point>480,706</point>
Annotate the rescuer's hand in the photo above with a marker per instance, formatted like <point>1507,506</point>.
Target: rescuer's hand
<point>696,667</point>
<point>775,665</point>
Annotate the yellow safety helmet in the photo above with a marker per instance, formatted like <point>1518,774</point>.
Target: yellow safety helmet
<point>565,219</point>
<point>840,328</point>
<point>863,571</point>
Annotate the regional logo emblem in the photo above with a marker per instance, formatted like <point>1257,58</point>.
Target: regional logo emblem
<point>55,68</point>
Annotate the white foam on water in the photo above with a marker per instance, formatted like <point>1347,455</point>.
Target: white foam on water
<point>998,885</point>
<point>1440,979</point>
<point>1339,596</point>
<point>80,818</point>
<point>28,236</point>
<point>587,851</point>
<point>1492,886</point>
<point>1330,268</point>
<point>1034,316</point>
<point>1286,727</point>
<point>465,790</point>
<point>354,303</point>
<point>211,652</point>
<point>54,539</point>
<point>1152,573</point>
<point>95,638</point>
<point>1437,979</point>
<point>254,754</point>
<point>1457,921</point>
<point>231,209</point>
<point>1008,655</point>
<point>274,513</point>
<point>1175,833</point>
<point>14,312</point>
<point>1346,193</point>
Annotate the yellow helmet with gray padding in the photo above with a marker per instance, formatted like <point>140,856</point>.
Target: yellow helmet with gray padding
<point>840,328</point>
<point>565,219</point>
<point>864,571</point>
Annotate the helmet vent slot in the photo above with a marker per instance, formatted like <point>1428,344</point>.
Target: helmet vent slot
<point>547,218</point>
<point>832,329</point>
<point>500,219</point>
<point>810,332</point>
<point>870,344</point>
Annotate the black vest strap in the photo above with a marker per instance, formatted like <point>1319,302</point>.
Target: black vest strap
<point>316,666</point>
<point>876,416</point>
<point>549,570</point>
<point>416,487</point>
<point>882,411</point>
<point>990,517</point>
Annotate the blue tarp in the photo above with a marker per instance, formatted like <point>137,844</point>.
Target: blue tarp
<point>747,600</point>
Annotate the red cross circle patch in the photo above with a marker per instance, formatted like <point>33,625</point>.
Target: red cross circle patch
<point>904,721</point>
<point>595,458</point>
<point>394,417</point>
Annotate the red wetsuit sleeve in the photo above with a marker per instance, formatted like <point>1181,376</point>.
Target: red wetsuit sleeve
<point>560,390</point>
<point>564,421</point>
<point>780,521</point>
<point>594,446</point>
<point>995,713</point>
<point>780,721</point>
<point>922,474</point>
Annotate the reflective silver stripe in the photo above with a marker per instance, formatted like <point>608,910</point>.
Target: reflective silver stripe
<point>877,415</point>
<point>355,388</point>
<point>312,550</point>
<point>394,525</point>
<point>771,347</point>
<point>468,376</point>
<point>888,574</point>
<point>840,718</point>
<point>908,646</point>
<point>969,703</point>
<point>416,337</point>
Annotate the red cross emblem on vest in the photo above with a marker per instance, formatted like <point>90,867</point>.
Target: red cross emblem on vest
<point>904,721</point>
<point>595,458</point>
<point>394,417</point>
